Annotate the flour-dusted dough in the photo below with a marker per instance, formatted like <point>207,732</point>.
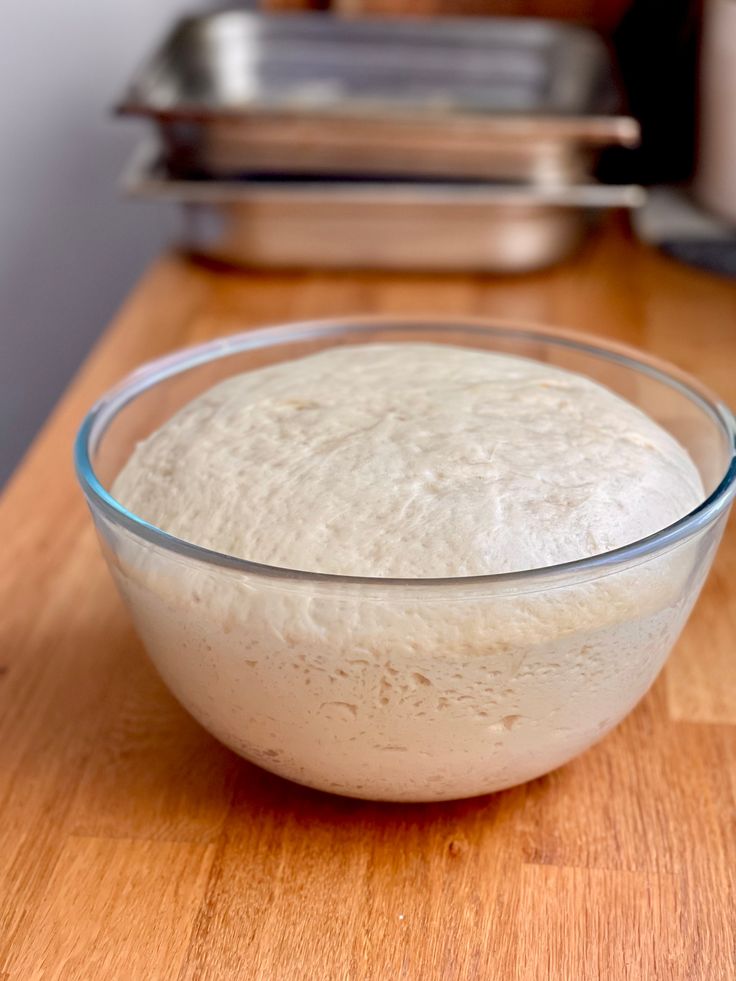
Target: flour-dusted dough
<point>420,461</point>
<point>410,460</point>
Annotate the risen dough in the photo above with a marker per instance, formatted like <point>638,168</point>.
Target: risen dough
<point>419,461</point>
<point>410,460</point>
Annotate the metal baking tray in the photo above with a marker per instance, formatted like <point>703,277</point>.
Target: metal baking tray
<point>490,98</point>
<point>384,225</point>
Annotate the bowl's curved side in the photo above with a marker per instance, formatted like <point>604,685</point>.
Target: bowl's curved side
<point>406,696</point>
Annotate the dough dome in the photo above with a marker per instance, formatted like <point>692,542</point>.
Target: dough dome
<point>410,460</point>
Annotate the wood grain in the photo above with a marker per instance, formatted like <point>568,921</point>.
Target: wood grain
<point>133,846</point>
<point>104,894</point>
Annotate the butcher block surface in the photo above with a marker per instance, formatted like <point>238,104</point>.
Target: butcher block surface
<point>133,846</point>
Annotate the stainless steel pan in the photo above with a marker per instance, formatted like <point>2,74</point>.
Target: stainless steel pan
<point>488,98</point>
<point>389,225</point>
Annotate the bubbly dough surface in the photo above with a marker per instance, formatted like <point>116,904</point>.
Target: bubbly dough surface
<point>410,460</point>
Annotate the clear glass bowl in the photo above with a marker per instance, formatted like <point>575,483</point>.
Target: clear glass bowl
<point>407,690</point>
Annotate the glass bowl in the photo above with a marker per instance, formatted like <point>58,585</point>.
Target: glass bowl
<point>407,690</point>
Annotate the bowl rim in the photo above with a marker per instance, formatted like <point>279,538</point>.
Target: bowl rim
<point>152,372</point>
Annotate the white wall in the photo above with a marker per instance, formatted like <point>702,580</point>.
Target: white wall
<point>70,247</point>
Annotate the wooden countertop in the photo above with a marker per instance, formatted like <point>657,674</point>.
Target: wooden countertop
<point>133,846</point>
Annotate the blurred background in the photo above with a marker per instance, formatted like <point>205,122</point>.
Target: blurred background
<point>71,247</point>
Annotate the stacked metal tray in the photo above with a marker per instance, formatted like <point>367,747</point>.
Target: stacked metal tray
<point>267,221</point>
<point>307,139</point>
